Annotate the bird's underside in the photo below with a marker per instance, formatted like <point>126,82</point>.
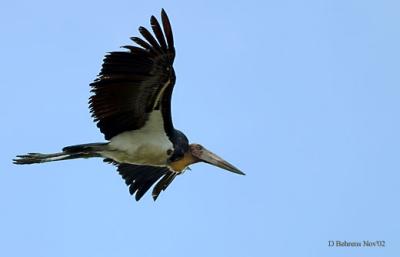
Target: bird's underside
<point>131,104</point>
<point>138,177</point>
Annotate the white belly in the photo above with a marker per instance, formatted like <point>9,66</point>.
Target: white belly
<point>145,146</point>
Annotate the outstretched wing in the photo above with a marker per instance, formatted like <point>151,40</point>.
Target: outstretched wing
<point>140,179</point>
<point>133,83</point>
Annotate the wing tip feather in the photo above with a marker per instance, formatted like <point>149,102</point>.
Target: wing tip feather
<point>167,29</point>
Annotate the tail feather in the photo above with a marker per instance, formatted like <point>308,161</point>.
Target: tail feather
<point>93,147</point>
<point>69,152</point>
<point>31,158</point>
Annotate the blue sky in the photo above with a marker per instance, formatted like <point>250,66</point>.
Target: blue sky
<point>303,96</point>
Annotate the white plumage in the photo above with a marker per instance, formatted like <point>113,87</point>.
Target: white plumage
<point>146,146</point>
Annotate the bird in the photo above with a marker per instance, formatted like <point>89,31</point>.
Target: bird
<point>131,105</point>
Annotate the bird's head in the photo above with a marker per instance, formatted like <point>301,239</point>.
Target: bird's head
<point>198,153</point>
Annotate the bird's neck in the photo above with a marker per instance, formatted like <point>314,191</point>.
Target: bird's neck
<point>181,164</point>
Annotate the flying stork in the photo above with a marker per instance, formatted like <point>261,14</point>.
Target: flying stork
<point>131,104</point>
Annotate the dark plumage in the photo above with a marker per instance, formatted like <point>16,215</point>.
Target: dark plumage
<point>140,178</point>
<point>130,83</point>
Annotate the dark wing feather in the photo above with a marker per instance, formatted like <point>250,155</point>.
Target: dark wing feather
<point>167,28</point>
<point>163,184</point>
<point>132,84</point>
<point>140,178</point>
<point>149,37</point>
<point>142,43</point>
<point>157,31</point>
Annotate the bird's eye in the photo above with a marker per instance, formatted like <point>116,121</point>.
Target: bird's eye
<point>169,151</point>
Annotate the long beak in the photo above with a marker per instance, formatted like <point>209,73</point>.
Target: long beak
<point>211,158</point>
